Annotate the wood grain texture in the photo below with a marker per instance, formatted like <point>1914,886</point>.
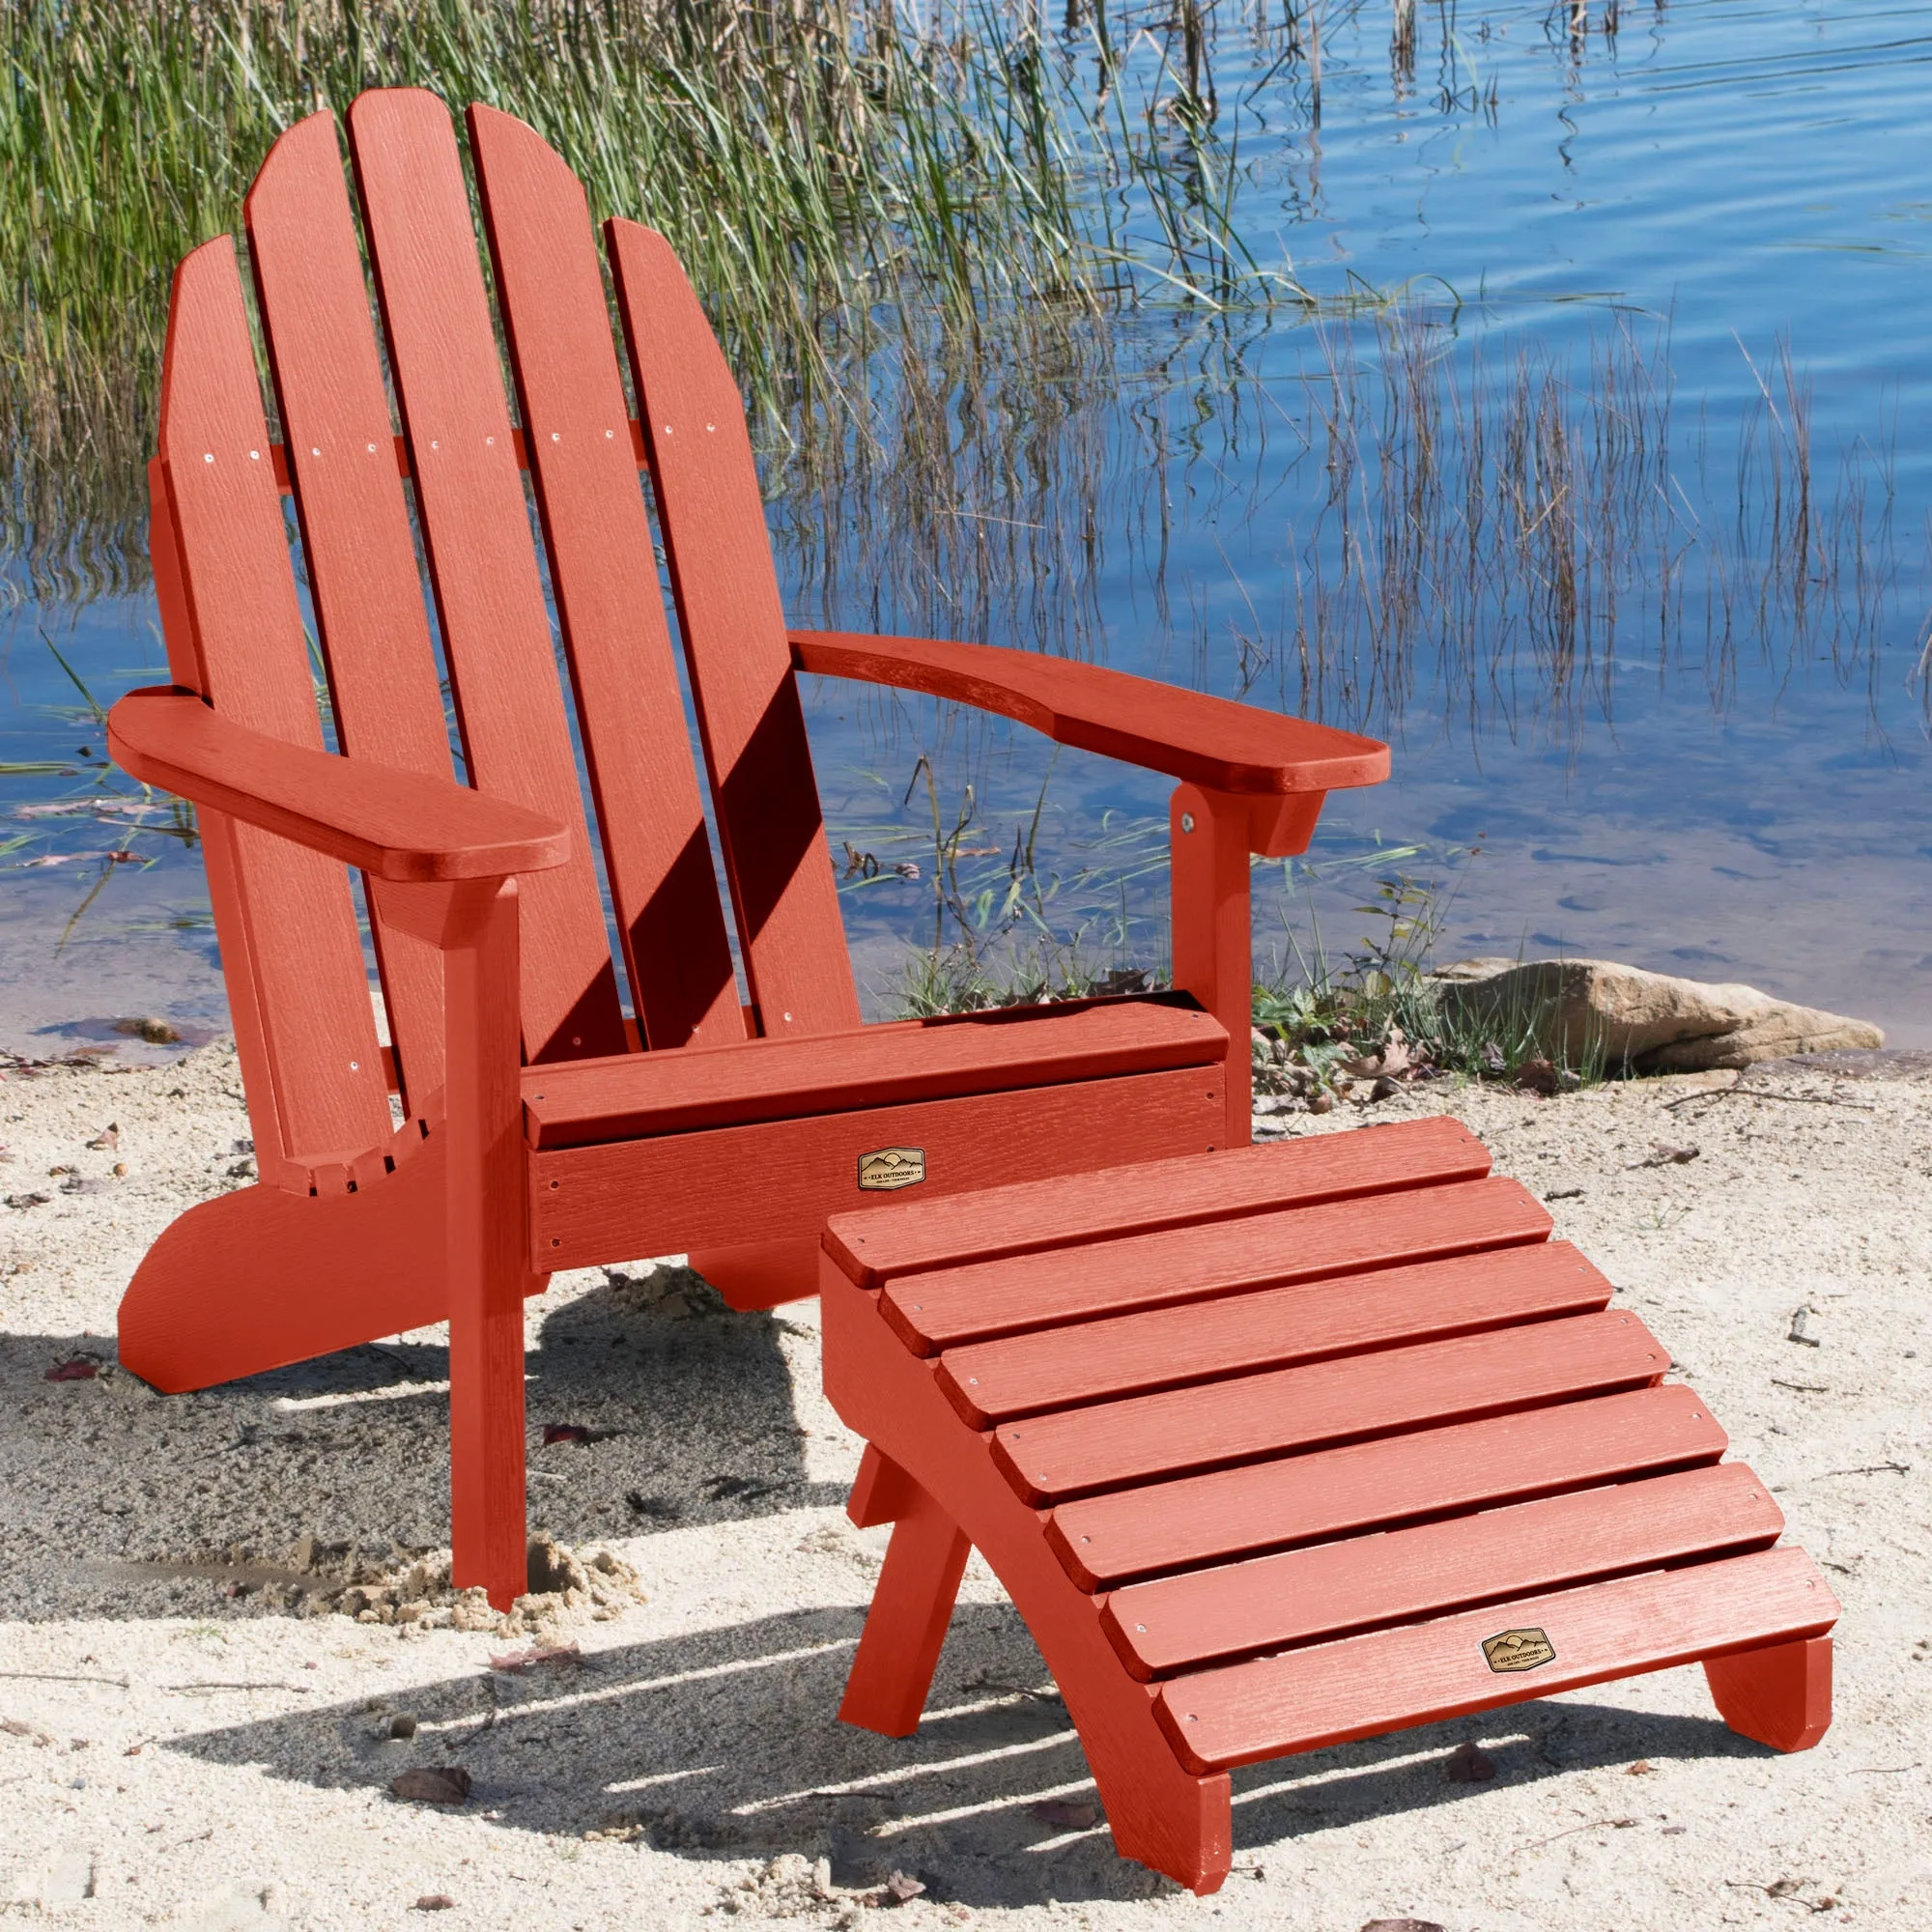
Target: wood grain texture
<point>394,825</point>
<point>727,1185</point>
<point>712,517</point>
<point>363,579</point>
<point>1161,728</point>
<point>604,574</point>
<point>946,1308</point>
<point>1300,1499</point>
<point>1047,1457</point>
<point>1360,1687</point>
<point>1234,1333</point>
<point>885,1065</point>
<point>1111,1203</point>
<point>1301,1594</point>
<point>476,534</point>
<point>289,921</point>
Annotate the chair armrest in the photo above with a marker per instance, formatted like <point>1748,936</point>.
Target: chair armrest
<point>1211,742</point>
<point>392,824</point>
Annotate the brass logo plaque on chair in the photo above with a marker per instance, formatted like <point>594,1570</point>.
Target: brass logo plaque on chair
<point>886,1169</point>
<point>1517,1650</point>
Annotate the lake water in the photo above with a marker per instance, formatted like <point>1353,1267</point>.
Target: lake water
<point>1701,759</point>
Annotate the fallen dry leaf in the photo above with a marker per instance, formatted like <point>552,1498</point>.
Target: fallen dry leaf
<point>76,1368</point>
<point>446,1784</point>
<point>1070,1814</point>
<point>108,1137</point>
<point>566,1432</point>
<point>1402,1925</point>
<point>1468,1763</point>
<point>433,1902</point>
<point>512,1662</point>
<point>903,1886</point>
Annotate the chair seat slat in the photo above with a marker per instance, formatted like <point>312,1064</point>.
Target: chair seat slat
<point>1298,1498</point>
<point>1121,1442</point>
<point>1361,1686</point>
<point>1303,1595</point>
<point>1229,1331</point>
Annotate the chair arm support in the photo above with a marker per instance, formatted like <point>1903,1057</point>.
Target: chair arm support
<point>1211,742</point>
<point>394,825</point>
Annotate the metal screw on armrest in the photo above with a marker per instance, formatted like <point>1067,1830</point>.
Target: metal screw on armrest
<point>1187,821</point>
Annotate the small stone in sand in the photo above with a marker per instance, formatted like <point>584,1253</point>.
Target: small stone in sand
<point>1468,1763</point>
<point>433,1902</point>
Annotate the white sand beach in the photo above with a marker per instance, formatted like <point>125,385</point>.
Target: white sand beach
<point>190,1735</point>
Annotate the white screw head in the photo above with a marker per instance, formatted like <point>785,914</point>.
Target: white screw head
<point>314,451</point>
<point>372,450</point>
<point>354,1067</point>
<point>555,436</point>
<point>1187,821</point>
<point>254,456</point>
<point>208,456</point>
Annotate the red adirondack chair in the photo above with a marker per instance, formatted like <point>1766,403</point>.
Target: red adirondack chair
<point>542,1128</point>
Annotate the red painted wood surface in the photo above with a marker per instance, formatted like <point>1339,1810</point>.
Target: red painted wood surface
<point>1421,1673</point>
<point>394,825</point>
<point>476,526</point>
<point>289,920</point>
<point>604,574</point>
<point>1197,1341</point>
<point>485,1239</point>
<point>1170,1819</point>
<point>1113,1202</point>
<point>728,1185</point>
<point>1113,1443</point>
<point>1213,950</point>
<point>357,541</point>
<point>944,1308</point>
<point>712,518</point>
<point>1301,1594</point>
<point>1779,1696</point>
<point>218,832</point>
<point>1161,728</point>
<point>597,1101</point>
<point>905,1627</point>
<point>1171,1525</point>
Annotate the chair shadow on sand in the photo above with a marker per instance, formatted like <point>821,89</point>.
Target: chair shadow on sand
<point>157,1505</point>
<point>724,1743</point>
<point>714,1744</point>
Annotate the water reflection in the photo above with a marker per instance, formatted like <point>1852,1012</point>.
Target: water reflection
<point>1636,582</point>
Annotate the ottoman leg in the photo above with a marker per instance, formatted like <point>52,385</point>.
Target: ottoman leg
<point>905,1627</point>
<point>1780,1696</point>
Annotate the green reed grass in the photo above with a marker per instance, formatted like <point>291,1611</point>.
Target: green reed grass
<point>814,166</point>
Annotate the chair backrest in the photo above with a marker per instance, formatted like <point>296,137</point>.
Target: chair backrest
<point>383,505</point>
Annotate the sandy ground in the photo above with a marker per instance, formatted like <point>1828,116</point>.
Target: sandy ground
<point>189,1735</point>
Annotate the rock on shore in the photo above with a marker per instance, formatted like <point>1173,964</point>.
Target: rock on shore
<point>1644,1022</point>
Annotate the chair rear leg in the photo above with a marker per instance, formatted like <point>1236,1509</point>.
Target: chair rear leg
<point>905,1627</point>
<point>1781,1695</point>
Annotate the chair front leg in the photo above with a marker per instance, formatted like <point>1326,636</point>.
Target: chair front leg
<point>474,924</point>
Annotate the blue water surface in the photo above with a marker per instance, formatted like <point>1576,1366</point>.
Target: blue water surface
<point>1719,784</point>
